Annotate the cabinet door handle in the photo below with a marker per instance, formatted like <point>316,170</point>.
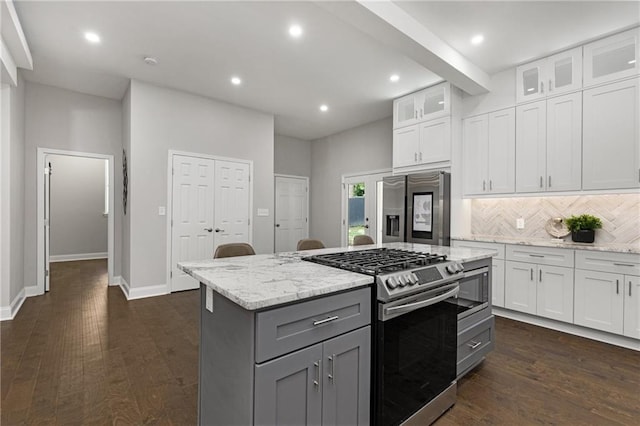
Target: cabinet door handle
<point>490,185</point>
<point>542,87</point>
<point>550,85</point>
<point>331,375</point>
<point>415,157</point>
<point>420,155</point>
<point>624,264</point>
<point>421,113</point>
<point>473,344</point>
<point>326,320</point>
<point>316,382</point>
<point>541,182</point>
<point>531,274</point>
<point>549,181</point>
<point>536,255</point>
<point>415,114</point>
<point>617,286</point>
<point>540,278</point>
<point>484,185</point>
<point>629,288</point>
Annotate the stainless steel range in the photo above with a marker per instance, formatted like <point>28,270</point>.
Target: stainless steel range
<point>414,365</point>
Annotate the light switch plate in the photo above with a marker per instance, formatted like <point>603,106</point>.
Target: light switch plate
<point>162,211</point>
<point>520,223</point>
<point>209,301</point>
<point>263,212</point>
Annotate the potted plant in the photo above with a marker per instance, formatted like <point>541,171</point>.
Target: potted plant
<point>583,227</point>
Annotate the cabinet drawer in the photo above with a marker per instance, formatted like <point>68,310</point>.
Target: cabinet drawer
<point>481,245</point>
<point>474,343</point>
<point>541,255</point>
<point>617,263</point>
<point>283,330</point>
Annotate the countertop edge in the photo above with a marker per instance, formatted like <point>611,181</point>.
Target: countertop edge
<point>612,248</point>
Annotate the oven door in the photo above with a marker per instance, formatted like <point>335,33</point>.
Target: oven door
<point>416,349</point>
<point>474,292</point>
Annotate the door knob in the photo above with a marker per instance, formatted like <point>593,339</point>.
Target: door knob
<point>277,225</point>
<point>219,230</point>
<point>366,226</point>
<point>208,229</point>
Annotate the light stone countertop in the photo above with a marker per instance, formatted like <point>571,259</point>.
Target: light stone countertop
<point>266,280</point>
<point>557,243</point>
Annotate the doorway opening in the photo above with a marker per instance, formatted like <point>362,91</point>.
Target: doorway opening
<point>75,200</point>
<point>362,205</point>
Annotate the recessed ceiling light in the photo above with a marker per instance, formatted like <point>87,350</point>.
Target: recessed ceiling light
<point>295,31</point>
<point>394,78</point>
<point>324,108</point>
<point>150,60</point>
<point>92,37</point>
<point>236,81</point>
<point>477,39</point>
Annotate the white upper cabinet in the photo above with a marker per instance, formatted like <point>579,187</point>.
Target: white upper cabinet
<point>549,144</point>
<point>425,105</point>
<point>489,153</point>
<point>611,136</point>
<point>612,58</point>
<point>557,74</point>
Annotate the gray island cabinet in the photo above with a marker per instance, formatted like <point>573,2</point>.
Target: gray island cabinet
<point>282,341</point>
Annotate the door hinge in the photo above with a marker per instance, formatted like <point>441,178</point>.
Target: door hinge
<point>46,273</point>
<point>343,222</point>
<point>306,189</point>
<point>172,223</point>
<point>170,274</point>
<point>173,171</point>
<point>249,222</point>
<point>306,219</point>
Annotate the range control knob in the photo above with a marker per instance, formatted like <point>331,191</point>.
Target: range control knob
<point>454,268</point>
<point>403,280</point>
<point>413,279</point>
<point>392,283</point>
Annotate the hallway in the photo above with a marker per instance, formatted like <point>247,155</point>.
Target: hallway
<point>83,354</point>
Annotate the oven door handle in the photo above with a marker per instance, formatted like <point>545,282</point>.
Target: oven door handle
<point>421,304</point>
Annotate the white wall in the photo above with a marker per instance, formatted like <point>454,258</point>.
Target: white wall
<point>12,198</point>
<point>361,149</point>
<point>78,226</point>
<point>126,218</point>
<point>292,156</point>
<point>502,95</point>
<point>61,119</point>
<point>164,119</point>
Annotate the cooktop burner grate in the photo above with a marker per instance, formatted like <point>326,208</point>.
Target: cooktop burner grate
<point>377,261</point>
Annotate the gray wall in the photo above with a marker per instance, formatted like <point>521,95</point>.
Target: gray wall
<point>12,193</point>
<point>164,119</point>
<point>126,218</point>
<point>360,149</point>
<point>61,119</point>
<point>78,226</point>
<point>292,156</point>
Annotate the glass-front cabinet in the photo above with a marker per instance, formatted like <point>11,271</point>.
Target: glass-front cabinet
<point>550,76</point>
<point>427,104</point>
<point>612,58</point>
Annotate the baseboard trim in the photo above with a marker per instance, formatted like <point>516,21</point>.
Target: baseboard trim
<point>32,291</point>
<point>116,280</point>
<point>148,291</point>
<point>9,312</point>
<point>124,286</point>
<point>80,256</point>
<point>576,330</point>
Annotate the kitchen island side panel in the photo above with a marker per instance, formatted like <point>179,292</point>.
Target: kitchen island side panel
<point>227,336</point>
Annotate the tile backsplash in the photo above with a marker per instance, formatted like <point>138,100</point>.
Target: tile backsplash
<point>620,215</point>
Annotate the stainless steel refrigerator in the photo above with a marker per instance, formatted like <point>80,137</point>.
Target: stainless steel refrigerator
<point>416,208</point>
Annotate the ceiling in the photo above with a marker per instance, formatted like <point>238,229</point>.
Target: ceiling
<point>200,45</point>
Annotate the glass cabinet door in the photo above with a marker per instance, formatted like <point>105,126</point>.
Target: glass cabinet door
<point>612,58</point>
<point>404,111</point>
<point>434,102</point>
<point>529,81</point>
<point>565,71</point>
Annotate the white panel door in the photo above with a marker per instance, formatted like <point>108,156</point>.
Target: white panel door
<point>611,136</point>
<point>564,143</point>
<point>502,151</point>
<point>192,215</point>
<point>520,287</point>
<point>231,203</point>
<point>475,151</point>
<point>291,212</point>
<point>555,293</point>
<point>599,300</point>
<point>632,306</point>
<point>531,154</point>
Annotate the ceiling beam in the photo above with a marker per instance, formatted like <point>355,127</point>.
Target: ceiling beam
<point>392,26</point>
<point>13,36</point>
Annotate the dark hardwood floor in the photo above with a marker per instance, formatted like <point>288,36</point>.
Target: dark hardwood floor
<point>82,354</point>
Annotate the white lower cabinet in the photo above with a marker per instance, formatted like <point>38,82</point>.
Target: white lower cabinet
<point>542,290</point>
<point>632,307</point>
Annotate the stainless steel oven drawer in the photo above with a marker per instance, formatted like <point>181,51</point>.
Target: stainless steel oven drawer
<point>283,330</point>
<point>474,343</point>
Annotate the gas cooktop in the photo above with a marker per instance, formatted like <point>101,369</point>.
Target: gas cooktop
<point>397,272</point>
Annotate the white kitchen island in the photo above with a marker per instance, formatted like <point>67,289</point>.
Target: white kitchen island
<point>264,342</point>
